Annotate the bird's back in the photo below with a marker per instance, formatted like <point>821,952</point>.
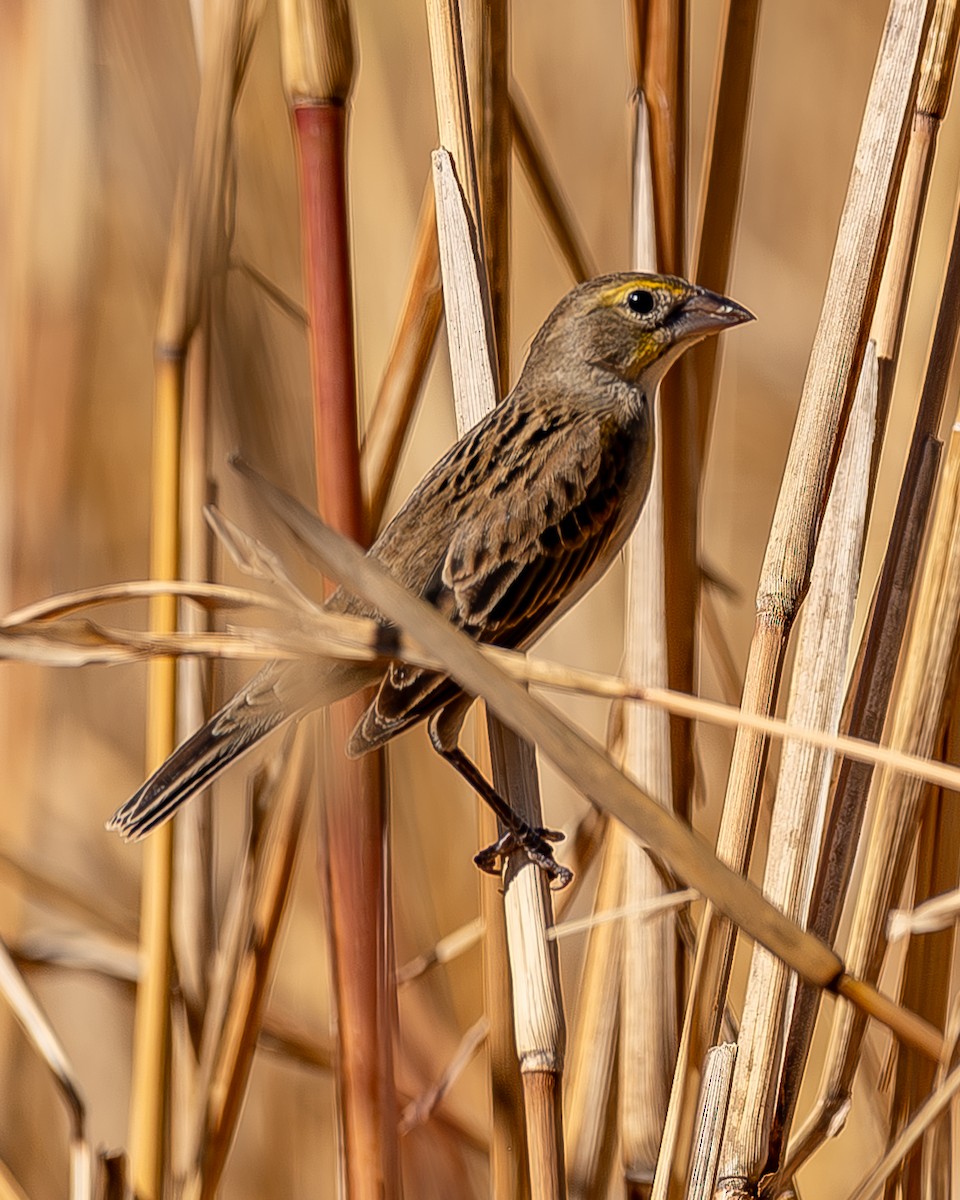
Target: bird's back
<point>507,530</point>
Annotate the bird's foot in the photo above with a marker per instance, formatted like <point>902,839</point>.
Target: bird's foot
<point>535,844</point>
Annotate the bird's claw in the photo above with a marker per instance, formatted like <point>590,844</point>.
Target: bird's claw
<point>535,844</point>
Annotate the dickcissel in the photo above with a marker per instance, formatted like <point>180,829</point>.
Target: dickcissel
<point>512,526</point>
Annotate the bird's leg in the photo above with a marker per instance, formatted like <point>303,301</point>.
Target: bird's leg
<point>518,834</point>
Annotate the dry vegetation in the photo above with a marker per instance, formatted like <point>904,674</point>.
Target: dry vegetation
<point>304,984</point>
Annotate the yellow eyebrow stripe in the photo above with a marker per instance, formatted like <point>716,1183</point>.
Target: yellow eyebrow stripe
<point>616,295</point>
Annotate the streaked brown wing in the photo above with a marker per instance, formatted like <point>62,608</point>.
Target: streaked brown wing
<point>552,508</point>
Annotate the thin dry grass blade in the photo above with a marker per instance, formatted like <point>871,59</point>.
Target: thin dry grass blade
<point>283,1035</point>
<point>43,887</point>
<point>446,950</point>
<point>406,368</point>
<point>235,1040</point>
<point>593,1043</point>
<point>285,303</point>
<point>35,1024</point>
<point>217,595</point>
<point>113,957</point>
<point>929,917</point>
<point>645,911</point>
<point>454,120</point>
<point>9,1188</point>
<point>486,66</point>
<point>546,191</point>
<point>722,182</point>
<point>422,1108</point>
<point>44,1039</point>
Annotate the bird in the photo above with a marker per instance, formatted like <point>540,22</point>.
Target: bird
<point>509,529</point>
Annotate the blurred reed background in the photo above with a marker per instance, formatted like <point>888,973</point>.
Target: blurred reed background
<point>102,287</point>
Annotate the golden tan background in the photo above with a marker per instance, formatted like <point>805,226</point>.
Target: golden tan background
<point>98,102</point>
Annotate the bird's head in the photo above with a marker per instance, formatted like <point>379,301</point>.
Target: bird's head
<point>633,325</point>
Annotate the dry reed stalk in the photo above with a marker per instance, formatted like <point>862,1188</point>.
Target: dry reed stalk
<point>197,253</point>
<point>406,367</point>
<point>110,1181</point>
<point>933,95</point>
<point>537,1011</point>
<point>229,1054</point>
<point>796,831</point>
<point>913,723</point>
<point>593,1043</point>
<point>548,196</point>
<point>928,971</point>
<point>835,364</point>
<point>44,1040</point>
<point>537,1008</point>
<point>869,692</point>
<point>507,1153</point>
<point>722,181</point>
<point>929,976</point>
<point>659,53</point>
<point>486,65</point>
<point>866,706</point>
<point>942,1099</point>
<point>236,925</point>
<point>318,68</point>
<point>193,919</point>
<point>9,1188</point>
<point>467,309</point>
<point>712,1115</point>
<point>538,1018</point>
<point>649,992</point>
<point>454,118</point>
<point>487,62</point>
<point>588,768</point>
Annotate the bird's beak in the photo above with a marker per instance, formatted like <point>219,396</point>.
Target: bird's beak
<point>705,312</point>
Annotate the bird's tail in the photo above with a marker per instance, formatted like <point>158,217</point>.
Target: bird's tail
<point>278,693</point>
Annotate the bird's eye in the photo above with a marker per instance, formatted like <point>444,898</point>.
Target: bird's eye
<point>641,302</point>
